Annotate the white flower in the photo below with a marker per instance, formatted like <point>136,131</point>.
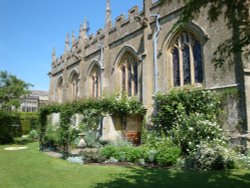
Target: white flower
<point>191,128</point>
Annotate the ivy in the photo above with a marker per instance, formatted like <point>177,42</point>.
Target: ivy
<point>122,106</point>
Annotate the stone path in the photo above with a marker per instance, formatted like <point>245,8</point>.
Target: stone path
<point>15,148</point>
<point>73,152</point>
<point>54,154</point>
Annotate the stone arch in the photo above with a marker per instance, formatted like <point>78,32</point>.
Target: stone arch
<point>127,64</point>
<point>73,75</point>
<point>59,81</point>
<point>92,65</point>
<point>59,90</point>
<point>124,50</point>
<point>94,79</point>
<point>184,54</point>
<point>73,86</point>
<point>192,27</point>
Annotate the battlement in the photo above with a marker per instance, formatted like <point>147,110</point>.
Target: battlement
<point>134,11</point>
<point>123,27</point>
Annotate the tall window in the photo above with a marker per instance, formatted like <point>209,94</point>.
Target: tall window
<point>95,77</point>
<point>187,60</point>
<point>59,90</point>
<point>74,82</point>
<point>129,71</point>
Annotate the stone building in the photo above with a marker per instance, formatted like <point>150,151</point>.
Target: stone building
<point>33,101</point>
<point>143,55</point>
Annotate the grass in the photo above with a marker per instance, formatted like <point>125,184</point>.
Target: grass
<point>32,169</point>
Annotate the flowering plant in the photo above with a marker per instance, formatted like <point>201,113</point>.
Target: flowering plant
<point>213,155</point>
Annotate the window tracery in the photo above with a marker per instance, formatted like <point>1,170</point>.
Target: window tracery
<point>129,71</point>
<point>187,60</point>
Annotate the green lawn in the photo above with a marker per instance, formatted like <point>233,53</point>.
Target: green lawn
<point>32,169</point>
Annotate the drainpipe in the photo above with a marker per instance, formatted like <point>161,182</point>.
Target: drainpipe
<point>155,38</point>
<point>101,63</point>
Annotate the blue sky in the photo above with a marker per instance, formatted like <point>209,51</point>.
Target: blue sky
<point>29,29</point>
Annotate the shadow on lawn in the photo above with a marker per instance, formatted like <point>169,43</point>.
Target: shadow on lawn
<point>155,178</point>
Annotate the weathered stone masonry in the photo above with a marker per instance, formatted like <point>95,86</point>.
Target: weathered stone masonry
<point>120,57</point>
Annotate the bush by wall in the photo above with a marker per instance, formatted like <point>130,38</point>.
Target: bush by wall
<point>92,110</point>
<point>162,153</point>
<point>14,124</point>
<point>9,126</point>
<point>184,101</point>
<point>29,121</point>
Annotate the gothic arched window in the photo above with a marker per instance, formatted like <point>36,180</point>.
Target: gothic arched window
<point>187,60</point>
<point>59,90</point>
<point>129,73</point>
<point>95,77</point>
<point>74,84</point>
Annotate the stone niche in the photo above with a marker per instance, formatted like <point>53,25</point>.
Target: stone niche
<point>114,128</point>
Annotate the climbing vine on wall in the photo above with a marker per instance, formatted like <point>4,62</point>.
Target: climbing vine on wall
<point>121,106</point>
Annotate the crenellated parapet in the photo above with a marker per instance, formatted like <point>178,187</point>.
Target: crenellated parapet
<point>85,45</point>
<point>58,65</point>
<point>119,21</point>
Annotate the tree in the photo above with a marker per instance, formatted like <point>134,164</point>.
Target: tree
<point>236,49</point>
<point>11,90</point>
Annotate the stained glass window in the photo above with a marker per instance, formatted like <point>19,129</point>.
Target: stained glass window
<point>123,78</point>
<point>186,65</point>
<point>74,85</point>
<point>129,71</point>
<point>176,67</point>
<point>198,62</point>
<point>96,81</point>
<point>59,92</point>
<point>135,77</point>
<point>187,60</point>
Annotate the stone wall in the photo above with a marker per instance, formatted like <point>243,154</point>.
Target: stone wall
<point>135,35</point>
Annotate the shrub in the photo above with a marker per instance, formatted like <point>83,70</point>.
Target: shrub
<point>22,140</point>
<point>132,154</point>
<point>108,151</point>
<point>189,131</point>
<point>33,135</point>
<point>151,155</point>
<point>213,156</point>
<point>9,127</point>
<point>243,161</point>
<point>187,101</point>
<point>29,121</point>
<point>167,156</point>
<point>92,157</point>
<point>124,153</point>
<point>52,136</point>
<point>25,124</point>
<point>74,136</point>
<point>91,139</point>
<point>164,153</point>
<point>152,138</point>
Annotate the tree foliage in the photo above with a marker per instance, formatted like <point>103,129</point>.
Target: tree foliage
<point>11,89</point>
